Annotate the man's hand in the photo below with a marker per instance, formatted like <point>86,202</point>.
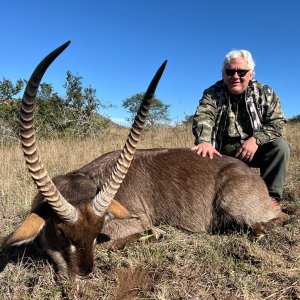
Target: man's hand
<point>247,150</point>
<point>206,149</point>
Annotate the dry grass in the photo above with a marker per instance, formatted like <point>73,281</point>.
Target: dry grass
<point>179,266</point>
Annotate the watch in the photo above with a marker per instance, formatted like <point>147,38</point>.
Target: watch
<point>258,141</point>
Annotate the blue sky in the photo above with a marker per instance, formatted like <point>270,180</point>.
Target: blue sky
<point>118,45</point>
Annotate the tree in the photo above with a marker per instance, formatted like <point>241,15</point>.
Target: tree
<point>8,89</point>
<point>50,115</point>
<point>82,106</point>
<point>188,119</point>
<point>83,100</point>
<point>9,120</point>
<point>158,114</point>
<point>295,119</point>
<point>73,115</point>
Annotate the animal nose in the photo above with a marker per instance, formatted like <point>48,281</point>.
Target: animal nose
<point>86,270</point>
<point>85,267</point>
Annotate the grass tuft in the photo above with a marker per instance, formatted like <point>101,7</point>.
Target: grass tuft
<point>180,265</point>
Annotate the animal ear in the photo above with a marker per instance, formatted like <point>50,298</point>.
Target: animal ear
<point>25,232</point>
<point>118,211</point>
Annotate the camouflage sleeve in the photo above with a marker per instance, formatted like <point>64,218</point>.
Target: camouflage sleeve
<point>273,119</point>
<point>204,118</point>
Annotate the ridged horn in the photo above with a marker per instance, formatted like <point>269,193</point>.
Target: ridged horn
<point>64,210</point>
<point>102,200</point>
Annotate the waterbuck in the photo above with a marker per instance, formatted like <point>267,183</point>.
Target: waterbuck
<point>123,193</point>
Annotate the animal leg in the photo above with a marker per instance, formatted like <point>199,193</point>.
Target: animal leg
<point>260,229</point>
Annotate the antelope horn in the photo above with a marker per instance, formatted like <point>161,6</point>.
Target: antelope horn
<point>102,200</point>
<point>65,211</point>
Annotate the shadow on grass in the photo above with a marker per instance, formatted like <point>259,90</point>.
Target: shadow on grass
<point>25,254</point>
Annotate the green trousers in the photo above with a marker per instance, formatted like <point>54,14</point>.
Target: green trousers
<point>272,160</point>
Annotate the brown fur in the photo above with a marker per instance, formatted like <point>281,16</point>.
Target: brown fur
<point>185,190</point>
<point>173,186</point>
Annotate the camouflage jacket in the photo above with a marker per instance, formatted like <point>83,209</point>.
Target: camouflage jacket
<point>219,121</point>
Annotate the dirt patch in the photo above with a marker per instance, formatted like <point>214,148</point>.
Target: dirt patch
<point>133,283</point>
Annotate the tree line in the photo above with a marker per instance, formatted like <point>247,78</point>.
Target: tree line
<point>76,114</point>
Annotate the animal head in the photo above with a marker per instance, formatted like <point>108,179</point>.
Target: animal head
<point>70,211</point>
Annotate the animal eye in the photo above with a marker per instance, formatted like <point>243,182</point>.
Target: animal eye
<point>60,233</point>
<point>62,237</point>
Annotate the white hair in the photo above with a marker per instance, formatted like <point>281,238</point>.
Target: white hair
<point>239,53</point>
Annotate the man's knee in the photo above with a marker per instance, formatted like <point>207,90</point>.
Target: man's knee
<point>282,147</point>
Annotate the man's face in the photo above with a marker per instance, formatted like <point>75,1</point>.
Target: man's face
<point>236,84</point>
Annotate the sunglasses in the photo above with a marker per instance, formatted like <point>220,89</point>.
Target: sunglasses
<point>231,72</point>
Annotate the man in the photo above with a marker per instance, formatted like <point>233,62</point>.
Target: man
<point>241,117</point>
